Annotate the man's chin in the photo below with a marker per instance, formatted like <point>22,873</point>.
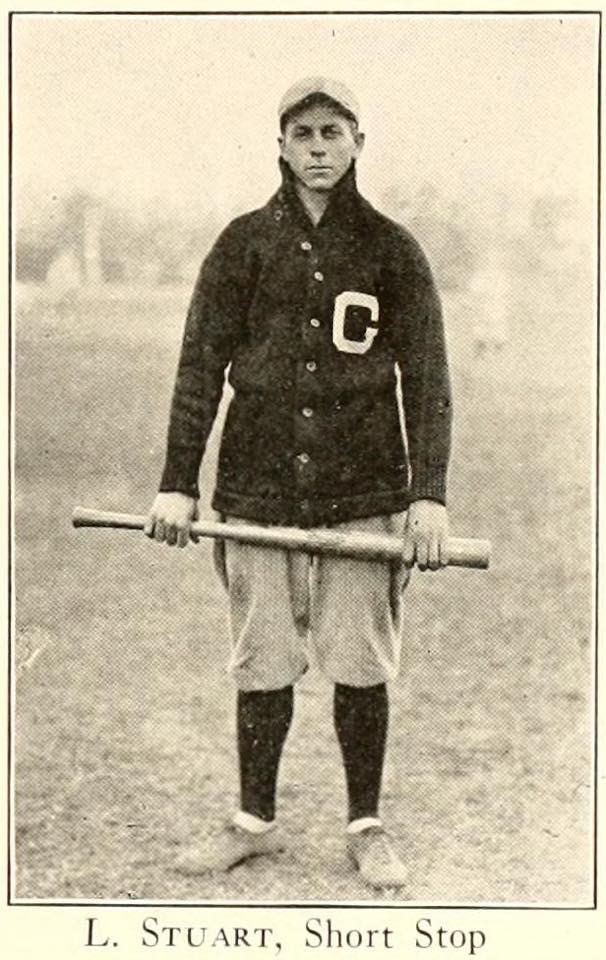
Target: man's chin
<point>319,184</point>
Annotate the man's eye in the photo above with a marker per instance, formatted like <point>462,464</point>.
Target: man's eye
<point>301,134</point>
<point>332,134</point>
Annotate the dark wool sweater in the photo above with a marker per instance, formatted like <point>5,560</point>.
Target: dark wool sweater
<point>312,322</point>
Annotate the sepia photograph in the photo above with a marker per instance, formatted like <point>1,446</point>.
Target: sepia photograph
<point>304,438</point>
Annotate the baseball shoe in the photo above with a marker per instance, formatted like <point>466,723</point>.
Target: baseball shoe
<point>227,848</point>
<point>372,853</point>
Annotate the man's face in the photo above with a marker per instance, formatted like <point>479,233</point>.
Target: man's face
<point>319,144</point>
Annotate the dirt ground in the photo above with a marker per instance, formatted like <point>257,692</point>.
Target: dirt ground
<point>124,716</point>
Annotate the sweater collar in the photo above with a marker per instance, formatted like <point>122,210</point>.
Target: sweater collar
<point>343,203</point>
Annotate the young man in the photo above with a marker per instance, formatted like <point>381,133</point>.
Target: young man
<point>313,300</point>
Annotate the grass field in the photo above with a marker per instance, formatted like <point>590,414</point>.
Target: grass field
<point>124,716</point>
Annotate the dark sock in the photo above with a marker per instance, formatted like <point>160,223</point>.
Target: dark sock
<point>361,715</point>
<point>264,717</point>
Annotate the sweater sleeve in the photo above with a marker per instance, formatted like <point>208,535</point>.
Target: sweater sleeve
<point>421,355</point>
<point>214,317</point>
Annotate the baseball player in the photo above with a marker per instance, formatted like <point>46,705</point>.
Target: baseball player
<point>314,303</point>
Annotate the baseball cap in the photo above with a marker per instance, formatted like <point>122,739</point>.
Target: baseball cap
<point>325,85</point>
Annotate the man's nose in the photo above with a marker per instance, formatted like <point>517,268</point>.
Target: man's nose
<point>317,147</point>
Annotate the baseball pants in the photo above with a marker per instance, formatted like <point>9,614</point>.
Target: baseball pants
<point>284,605</point>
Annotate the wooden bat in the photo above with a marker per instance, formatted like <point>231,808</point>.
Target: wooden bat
<point>362,545</point>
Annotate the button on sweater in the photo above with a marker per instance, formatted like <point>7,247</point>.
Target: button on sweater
<point>312,324</point>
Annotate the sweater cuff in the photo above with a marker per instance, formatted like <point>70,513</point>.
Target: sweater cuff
<point>429,482</point>
<point>173,482</point>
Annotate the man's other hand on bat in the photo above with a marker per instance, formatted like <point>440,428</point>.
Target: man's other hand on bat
<point>426,535</point>
<point>170,519</point>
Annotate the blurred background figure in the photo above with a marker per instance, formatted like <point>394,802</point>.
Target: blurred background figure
<point>490,304</point>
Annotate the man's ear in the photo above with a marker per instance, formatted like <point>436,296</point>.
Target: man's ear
<point>281,145</point>
<point>360,139</point>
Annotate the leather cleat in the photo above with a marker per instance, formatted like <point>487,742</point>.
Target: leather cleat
<point>371,851</point>
<point>227,848</point>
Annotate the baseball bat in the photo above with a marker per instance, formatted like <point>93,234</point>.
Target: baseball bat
<point>364,546</point>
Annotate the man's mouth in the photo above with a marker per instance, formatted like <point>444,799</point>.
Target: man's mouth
<point>319,168</point>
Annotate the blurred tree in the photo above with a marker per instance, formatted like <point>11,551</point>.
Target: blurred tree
<point>39,235</point>
<point>439,225</point>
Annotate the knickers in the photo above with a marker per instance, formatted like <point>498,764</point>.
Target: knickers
<point>284,604</point>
